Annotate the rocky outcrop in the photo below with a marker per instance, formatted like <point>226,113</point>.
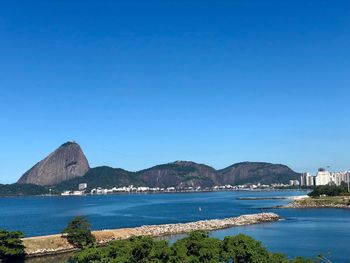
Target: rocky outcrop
<point>65,163</point>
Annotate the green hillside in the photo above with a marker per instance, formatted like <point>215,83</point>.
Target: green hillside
<point>102,176</point>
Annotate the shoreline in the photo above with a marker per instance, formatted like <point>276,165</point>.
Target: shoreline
<point>56,244</point>
<point>160,192</point>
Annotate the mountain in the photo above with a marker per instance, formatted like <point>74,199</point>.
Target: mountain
<point>67,166</point>
<point>180,174</point>
<point>183,174</point>
<point>257,172</point>
<point>65,163</point>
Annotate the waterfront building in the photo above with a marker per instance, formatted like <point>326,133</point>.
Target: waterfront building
<point>339,177</point>
<point>310,180</point>
<point>306,179</point>
<point>293,182</point>
<point>82,186</point>
<point>323,177</point>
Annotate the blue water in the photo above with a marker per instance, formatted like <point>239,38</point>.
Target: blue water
<point>305,232</point>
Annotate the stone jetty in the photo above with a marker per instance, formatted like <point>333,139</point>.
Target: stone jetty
<point>54,244</point>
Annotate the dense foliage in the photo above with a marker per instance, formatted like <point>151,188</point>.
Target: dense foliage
<point>11,247</point>
<point>78,232</point>
<point>197,247</point>
<point>22,189</point>
<point>330,190</point>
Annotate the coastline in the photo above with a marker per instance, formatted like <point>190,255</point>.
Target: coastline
<point>56,244</point>
<point>157,192</point>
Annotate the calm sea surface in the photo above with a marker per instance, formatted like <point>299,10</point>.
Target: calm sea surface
<point>305,232</point>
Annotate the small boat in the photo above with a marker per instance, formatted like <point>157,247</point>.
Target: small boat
<point>200,209</point>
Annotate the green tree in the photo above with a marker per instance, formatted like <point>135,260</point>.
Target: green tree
<point>141,249</point>
<point>78,232</point>
<point>278,258</point>
<point>11,246</point>
<point>197,247</point>
<point>244,249</point>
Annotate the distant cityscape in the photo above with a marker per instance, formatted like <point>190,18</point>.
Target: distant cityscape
<point>145,189</point>
<point>323,177</point>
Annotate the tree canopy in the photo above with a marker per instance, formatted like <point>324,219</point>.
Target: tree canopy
<point>78,232</point>
<point>197,247</point>
<point>11,247</point>
<point>330,190</point>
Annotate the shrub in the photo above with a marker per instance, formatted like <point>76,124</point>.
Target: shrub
<point>78,232</point>
<point>11,246</point>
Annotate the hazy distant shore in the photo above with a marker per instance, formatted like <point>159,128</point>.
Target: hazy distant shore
<point>55,244</point>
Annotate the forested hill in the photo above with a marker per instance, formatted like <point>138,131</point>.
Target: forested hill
<point>22,189</point>
<point>184,174</point>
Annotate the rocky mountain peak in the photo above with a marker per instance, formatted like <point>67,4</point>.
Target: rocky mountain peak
<point>66,162</point>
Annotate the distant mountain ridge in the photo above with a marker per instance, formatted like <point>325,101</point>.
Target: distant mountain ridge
<point>66,167</point>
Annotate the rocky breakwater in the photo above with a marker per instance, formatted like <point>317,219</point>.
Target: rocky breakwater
<point>54,244</point>
<point>207,225</point>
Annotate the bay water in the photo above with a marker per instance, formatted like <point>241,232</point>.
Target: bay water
<point>301,232</point>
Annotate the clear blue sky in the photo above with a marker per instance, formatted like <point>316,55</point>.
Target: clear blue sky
<point>138,83</point>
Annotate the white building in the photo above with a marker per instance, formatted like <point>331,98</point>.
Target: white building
<point>306,179</point>
<point>340,177</point>
<point>310,180</point>
<point>293,182</point>
<point>323,177</point>
<point>82,186</point>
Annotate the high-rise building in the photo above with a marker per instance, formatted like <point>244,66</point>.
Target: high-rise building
<point>306,179</point>
<point>339,177</point>
<point>323,177</point>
